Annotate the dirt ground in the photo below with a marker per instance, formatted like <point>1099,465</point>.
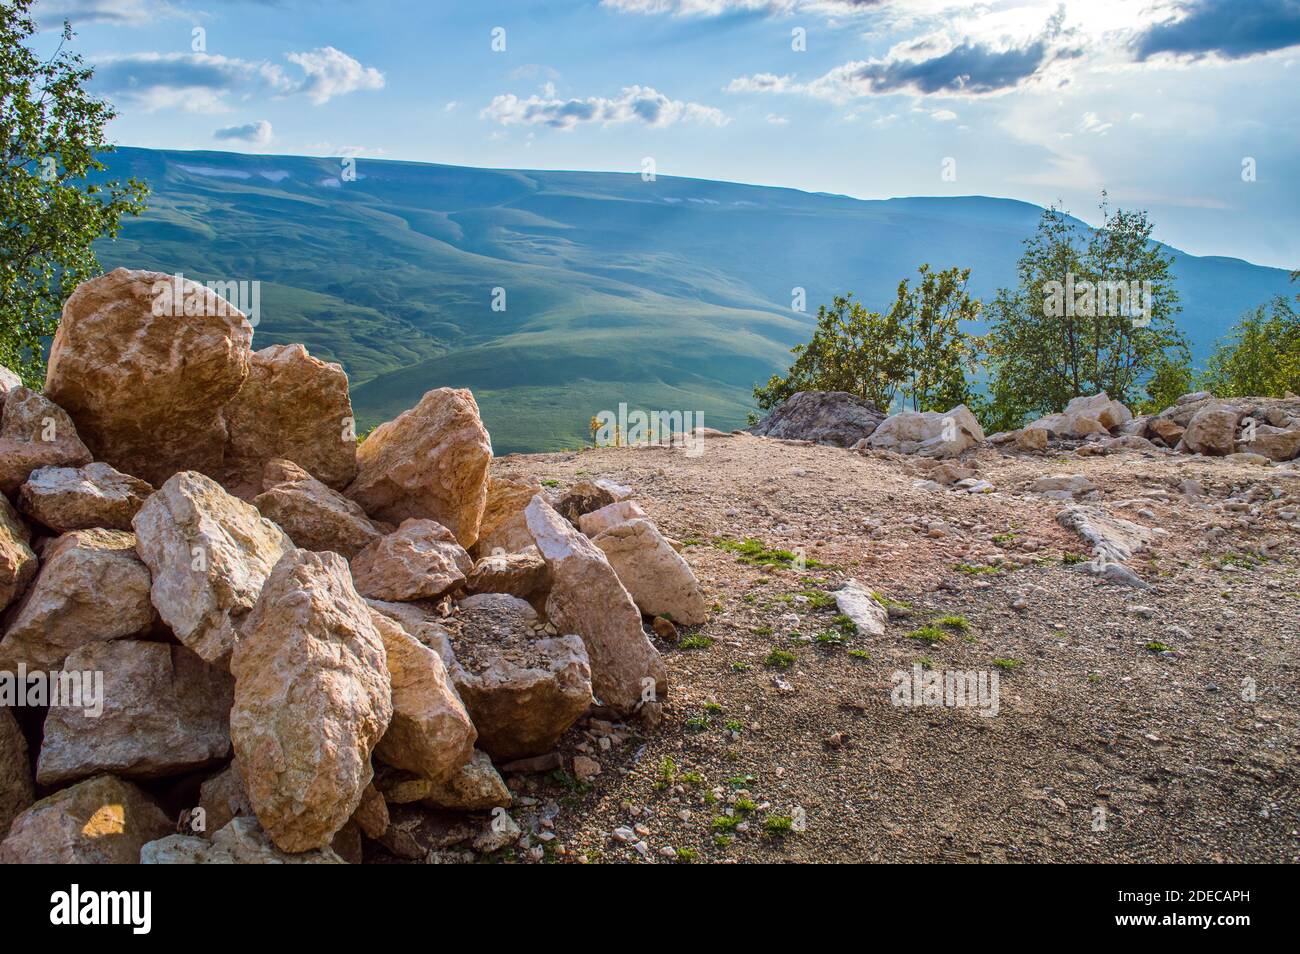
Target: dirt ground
<point>1132,725</point>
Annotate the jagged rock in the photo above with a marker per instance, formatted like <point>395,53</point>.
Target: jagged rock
<point>165,712</point>
<point>144,362</point>
<point>1062,486</point>
<point>1030,439</point>
<point>371,815</point>
<point>504,529</point>
<point>520,574</point>
<point>35,432</point>
<point>223,797</point>
<point>476,786</point>
<point>420,560</point>
<point>1092,414</point>
<point>92,587</point>
<point>419,621</point>
<point>522,690</point>
<point>16,789</point>
<point>18,561</point>
<point>1275,443</point>
<point>83,498</point>
<point>928,433</point>
<point>292,406</point>
<point>860,605</point>
<point>1113,572</point>
<point>431,462</point>
<point>102,820</point>
<point>430,733</point>
<point>314,516</point>
<point>582,498</point>
<point>620,511</point>
<point>1166,429</point>
<point>209,554</point>
<point>823,417</point>
<point>658,579</point>
<point>1113,539</point>
<point>1212,430</point>
<point>240,842</point>
<point>312,698</point>
<point>587,598</point>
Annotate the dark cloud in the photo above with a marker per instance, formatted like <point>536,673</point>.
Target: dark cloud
<point>1230,28</point>
<point>968,68</point>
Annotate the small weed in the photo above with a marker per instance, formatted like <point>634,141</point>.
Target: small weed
<point>550,483</point>
<point>697,723</point>
<point>695,641</point>
<point>726,822</point>
<point>779,659</point>
<point>860,654</point>
<point>1006,664</point>
<point>958,624</point>
<point>929,634</point>
<point>778,826</point>
<point>1158,647</point>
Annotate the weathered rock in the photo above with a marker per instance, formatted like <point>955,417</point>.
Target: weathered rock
<point>144,362</point>
<point>1212,430</point>
<point>928,433</point>
<point>102,820</point>
<point>522,690</point>
<point>240,842</point>
<point>587,598</point>
<point>16,789</point>
<point>860,605</point>
<point>312,698</point>
<point>91,588</point>
<point>823,417</point>
<point>1092,414</point>
<point>209,554</point>
<point>35,432</point>
<point>18,561</point>
<point>582,498</point>
<point>420,621</point>
<point>1062,486</point>
<point>430,733</point>
<point>1276,443</point>
<point>504,529</point>
<point>164,712</point>
<point>1245,457</point>
<point>1166,429</point>
<point>420,560</point>
<point>415,832</point>
<point>620,511</point>
<point>431,462</point>
<point>83,498</point>
<point>314,516</point>
<point>292,406</point>
<point>223,797</point>
<point>520,574</point>
<point>1113,539</point>
<point>1031,439</point>
<point>658,579</point>
<point>474,787</point>
<point>8,381</point>
<point>371,815</point>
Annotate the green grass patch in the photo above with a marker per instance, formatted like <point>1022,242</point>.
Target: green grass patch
<point>929,634</point>
<point>958,624</point>
<point>695,641</point>
<point>1007,664</point>
<point>756,553</point>
<point>778,826</point>
<point>779,659</point>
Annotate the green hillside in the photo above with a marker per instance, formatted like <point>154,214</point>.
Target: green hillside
<point>665,295</point>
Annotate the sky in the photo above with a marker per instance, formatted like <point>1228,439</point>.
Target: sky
<point>1186,108</point>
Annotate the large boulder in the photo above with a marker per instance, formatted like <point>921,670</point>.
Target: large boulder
<point>928,433</point>
<point>658,579</point>
<point>430,734</point>
<point>16,789</point>
<point>164,712</point>
<point>240,842</point>
<point>35,432</point>
<point>430,462</point>
<point>102,820</point>
<point>292,406</point>
<point>823,417</point>
<point>91,588</point>
<point>314,516</point>
<point>1085,415</point>
<point>18,561</point>
<point>522,688</point>
<point>82,498</point>
<point>1275,443</point>
<point>504,529</point>
<point>209,553</point>
<point>419,560</point>
<point>312,698</point>
<point>144,362</point>
<point>587,598</point>
<point>1212,430</point>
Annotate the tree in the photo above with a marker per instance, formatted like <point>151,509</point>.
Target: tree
<point>1094,311</point>
<point>1261,356</point>
<point>936,349</point>
<point>52,132</point>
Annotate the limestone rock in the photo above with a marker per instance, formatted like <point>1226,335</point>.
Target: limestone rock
<point>1085,415</point>
<point>1212,430</point>
<point>928,433</point>
<point>823,417</point>
<point>420,560</point>
<point>102,820</point>
<point>18,561</point>
<point>210,554</point>
<point>587,598</point>
<point>504,529</point>
<point>165,712</point>
<point>475,787</point>
<point>35,432</point>
<point>1166,429</point>
<point>83,498</point>
<point>240,842</point>
<point>1113,539</point>
<point>92,587</point>
<point>431,462</point>
<point>521,574</point>
<point>419,620</point>
<point>1275,443</point>
<point>620,511</point>
<point>312,698</point>
<point>522,690</point>
<point>144,363</point>
<point>314,516</point>
<point>1062,486</point>
<point>16,789</point>
<point>658,579</point>
<point>860,605</point>
<point>291,406</point>
<point>431,733</point>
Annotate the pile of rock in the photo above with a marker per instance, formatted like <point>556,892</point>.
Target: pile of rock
<point>297,630</point>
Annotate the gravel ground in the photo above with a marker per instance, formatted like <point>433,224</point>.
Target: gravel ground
<point>1132,725</point>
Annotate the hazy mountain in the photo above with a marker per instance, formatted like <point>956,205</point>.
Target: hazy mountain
<point>671,295</point>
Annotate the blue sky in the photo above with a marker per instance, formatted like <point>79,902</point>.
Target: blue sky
<point>1161,102</point>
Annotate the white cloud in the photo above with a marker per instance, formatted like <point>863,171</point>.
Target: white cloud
<point>634,103</point>
<point>259,133</point>
<point>943,115</point>
<point>1091,123</point>
<point>331,72</point>
<point>776,120</point>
